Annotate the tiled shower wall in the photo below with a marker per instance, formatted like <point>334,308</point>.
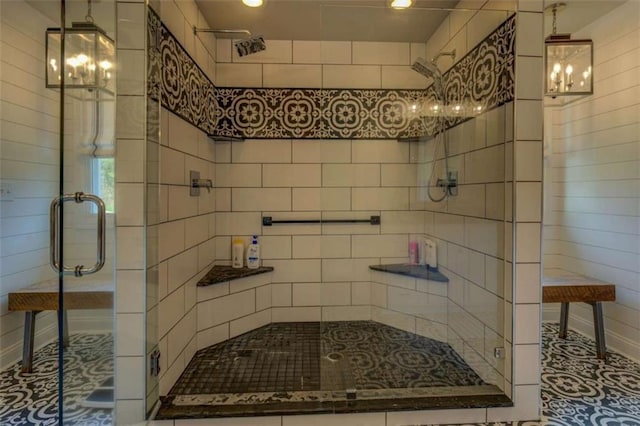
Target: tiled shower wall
<point>469,228</point>
<point>592,223</point>
<point>321,271</point>
<point>313,178</point>
<point>470,231</point>
<point>182,226</point>
<point>326,64</point>
<point>526,395</point>
<point>185,228</point>
<point>130,195</point>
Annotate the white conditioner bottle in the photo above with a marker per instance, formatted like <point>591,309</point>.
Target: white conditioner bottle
<point>253,253</point>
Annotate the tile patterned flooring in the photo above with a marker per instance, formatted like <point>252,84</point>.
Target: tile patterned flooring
<point>577,389</point>
<point>310,356</point>
<point>32,398</point>
<point>580,390</point>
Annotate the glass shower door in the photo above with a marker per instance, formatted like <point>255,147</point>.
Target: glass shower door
<point>410,144</point>
<point>82,226</point>
<point>56,238</point>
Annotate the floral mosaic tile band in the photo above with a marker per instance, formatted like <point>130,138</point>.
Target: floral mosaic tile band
<point>482,80</point>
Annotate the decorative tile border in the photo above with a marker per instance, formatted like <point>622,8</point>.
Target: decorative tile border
<point>480,81</point>
<point>318,113</point>
<point>177,81</point>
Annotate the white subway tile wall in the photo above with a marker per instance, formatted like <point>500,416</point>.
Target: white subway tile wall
<point>187,247</point>
<point>321,272</point>
<point>131,121</point>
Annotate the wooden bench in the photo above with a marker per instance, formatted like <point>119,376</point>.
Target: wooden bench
<point>560,286</point>
<point>44,297</point>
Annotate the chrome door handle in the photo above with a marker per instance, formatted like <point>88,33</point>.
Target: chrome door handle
<point>54,221</point>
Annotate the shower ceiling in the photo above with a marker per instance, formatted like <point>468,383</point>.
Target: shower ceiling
<point>357,20</point>
<point>365,20</point>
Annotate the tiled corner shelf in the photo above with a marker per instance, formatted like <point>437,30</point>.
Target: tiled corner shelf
<point>416,271</point>
<point>221,274</point>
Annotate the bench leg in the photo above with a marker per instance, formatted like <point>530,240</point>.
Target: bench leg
<point>598,323</point>
<point>28,342</point>
<point>564,320</point>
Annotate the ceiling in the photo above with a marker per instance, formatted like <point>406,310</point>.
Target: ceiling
<point>578,14</point>
<point>368,20</point>
<point>357,20</point>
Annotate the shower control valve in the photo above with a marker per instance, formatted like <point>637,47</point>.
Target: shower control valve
<point>450,184</point>
<point>154,363</point>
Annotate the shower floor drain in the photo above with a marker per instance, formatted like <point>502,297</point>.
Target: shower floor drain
<point>334,356</point>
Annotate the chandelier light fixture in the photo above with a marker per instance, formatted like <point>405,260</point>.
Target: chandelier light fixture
<point>89,57</point>
<point>568,63</point>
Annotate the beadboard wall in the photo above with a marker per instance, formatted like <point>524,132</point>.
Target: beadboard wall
<point>30,172</point>
<point>592,160</point>
<point>30,163</point>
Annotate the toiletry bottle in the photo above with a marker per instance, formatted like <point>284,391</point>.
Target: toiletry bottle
<point>253,253</point>
<point>430,253</point>
<point>413,253</point>
<point>237,253</point>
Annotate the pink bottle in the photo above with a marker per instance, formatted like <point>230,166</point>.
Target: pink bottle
<point>414,253</point>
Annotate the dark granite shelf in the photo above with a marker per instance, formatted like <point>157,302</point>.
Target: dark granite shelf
<point>416,271</point>
<point>221,274</point>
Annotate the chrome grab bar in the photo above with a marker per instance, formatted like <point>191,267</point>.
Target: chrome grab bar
<point>54,221</point>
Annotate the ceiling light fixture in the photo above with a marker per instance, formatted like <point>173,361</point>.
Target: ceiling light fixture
<point>89,58</point>
<point>401,4</point>
<point>568,63</point>
<point>252,3</point>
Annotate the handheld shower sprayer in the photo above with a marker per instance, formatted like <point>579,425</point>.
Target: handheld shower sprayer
<point>448,185</point>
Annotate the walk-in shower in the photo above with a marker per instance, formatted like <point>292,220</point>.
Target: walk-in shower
<point>344,321</point>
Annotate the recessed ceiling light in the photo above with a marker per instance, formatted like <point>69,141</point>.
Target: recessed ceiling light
<point>401,4</point>
<point>252,3</point>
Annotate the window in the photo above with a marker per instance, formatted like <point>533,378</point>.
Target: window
<point>103,182</point>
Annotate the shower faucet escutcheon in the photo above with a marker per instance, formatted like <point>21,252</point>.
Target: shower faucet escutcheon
<point>197,183</point>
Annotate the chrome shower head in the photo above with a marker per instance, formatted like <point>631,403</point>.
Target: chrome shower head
<point>250,46</point>
<point>426,68</point>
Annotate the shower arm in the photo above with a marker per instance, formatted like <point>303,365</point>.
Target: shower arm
<point>209,30</point>
<point>451,54</point>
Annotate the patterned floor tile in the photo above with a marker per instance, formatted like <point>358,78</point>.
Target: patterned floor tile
<point>580,390</point>
<point>577,388</point>
<point>32,399</point>
<point>311,356</point>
